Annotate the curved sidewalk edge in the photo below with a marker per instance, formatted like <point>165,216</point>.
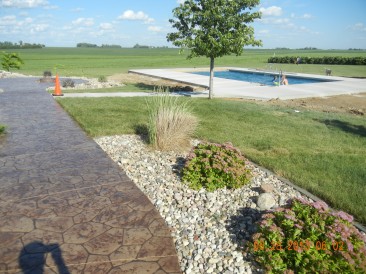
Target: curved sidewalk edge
<point>65,206</point>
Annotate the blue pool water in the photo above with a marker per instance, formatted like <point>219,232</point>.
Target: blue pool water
<point>261,78</point>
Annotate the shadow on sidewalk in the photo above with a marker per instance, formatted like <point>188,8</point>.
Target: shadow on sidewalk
<point>32,258</point>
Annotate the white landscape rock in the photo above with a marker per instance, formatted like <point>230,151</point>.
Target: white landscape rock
<point>266,201</point>
<point>207,227</point>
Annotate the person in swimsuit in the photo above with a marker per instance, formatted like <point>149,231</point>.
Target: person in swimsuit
<point>284,80</point>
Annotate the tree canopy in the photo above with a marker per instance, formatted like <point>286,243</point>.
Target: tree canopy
<point>214,28</point>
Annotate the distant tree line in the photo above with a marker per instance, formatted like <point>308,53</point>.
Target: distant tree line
<point>20,45</point>
<point>89,45</point>
<point>325,60</point>
<point>111,46</point>
<point>86,45</point>
<point>138,46</point>
<point>308,48</point>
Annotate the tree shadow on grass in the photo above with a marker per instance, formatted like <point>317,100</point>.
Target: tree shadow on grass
<point>344,126</point>
<point>170,88</point>
<point>144,86</point>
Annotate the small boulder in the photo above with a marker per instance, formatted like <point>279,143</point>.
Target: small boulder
<point>267,188</point>
<point>266,201</point>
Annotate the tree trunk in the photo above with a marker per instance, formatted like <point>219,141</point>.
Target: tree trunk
<point>212,65</point>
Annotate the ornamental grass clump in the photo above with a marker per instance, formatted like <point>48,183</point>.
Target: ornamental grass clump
<point>171,122</point>
<point>306,237</point>
<point>2,129</point>
<point>215,166</point>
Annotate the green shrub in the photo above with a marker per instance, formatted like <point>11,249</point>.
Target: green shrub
<point>102,79</point>
<point>47,73</point>
<point>68,83</point>
<point>307,237</point>
<point>2,129</point>
<point>171,123</point>
<point>215,166</point>
<point>325,60</point>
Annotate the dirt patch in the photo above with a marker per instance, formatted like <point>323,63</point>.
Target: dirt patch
<point>151,82</point>
<point>353,104</point>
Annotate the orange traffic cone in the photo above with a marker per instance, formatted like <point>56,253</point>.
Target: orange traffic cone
<point>58,91</point>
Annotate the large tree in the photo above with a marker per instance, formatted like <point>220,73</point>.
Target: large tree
<point>214,28</point>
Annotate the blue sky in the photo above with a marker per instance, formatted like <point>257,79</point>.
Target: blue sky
<point>323,24</point>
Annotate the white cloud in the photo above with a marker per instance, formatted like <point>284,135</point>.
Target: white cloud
<point>359,27</point>
<point>135,16</point>
<point>86,22</point>
<point>26,21</point>
<point>307,16</point>
<point>271,11</point>
<point>39,28</point>
<point>51,7</point>
<point>264,31</point>
<point>180,1</point>
<point>12,22</point>
<point>304,16</point>
<point>8,20</point>
<point>23,3</point>
<point>154,28</point>
<point>106,26</point>
<point>275,21</point>
<point>77,10</point>
<point>23,13</point>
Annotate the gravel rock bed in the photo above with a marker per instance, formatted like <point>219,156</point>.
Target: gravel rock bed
<point>93,83</point>
<point>207,227</point>
<point>80,82</point>
<point>9,74</point>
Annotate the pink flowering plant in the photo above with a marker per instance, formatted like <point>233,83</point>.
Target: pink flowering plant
<point>305,237</point>
<point>215,166</point>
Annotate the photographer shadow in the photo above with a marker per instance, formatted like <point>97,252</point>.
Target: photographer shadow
<point>32,258</point>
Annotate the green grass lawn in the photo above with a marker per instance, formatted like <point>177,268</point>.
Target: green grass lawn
<point>95,62</point>
<point>321,152</point>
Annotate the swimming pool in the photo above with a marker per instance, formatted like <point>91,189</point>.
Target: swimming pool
<point>263,78</point>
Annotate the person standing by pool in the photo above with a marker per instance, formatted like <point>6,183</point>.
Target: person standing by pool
<point>284,80</point>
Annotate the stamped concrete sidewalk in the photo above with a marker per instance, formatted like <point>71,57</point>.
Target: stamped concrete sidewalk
<point>64,205</point>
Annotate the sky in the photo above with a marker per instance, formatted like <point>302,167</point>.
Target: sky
<point>324,24</point>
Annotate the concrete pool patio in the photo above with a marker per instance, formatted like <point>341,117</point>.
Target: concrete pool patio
<point>225,88</point>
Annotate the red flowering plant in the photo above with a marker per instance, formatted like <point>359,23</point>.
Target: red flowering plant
<point>215,166</point>
<point>305,237</point>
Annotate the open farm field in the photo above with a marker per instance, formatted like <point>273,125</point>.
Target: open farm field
<point>94,62</point>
